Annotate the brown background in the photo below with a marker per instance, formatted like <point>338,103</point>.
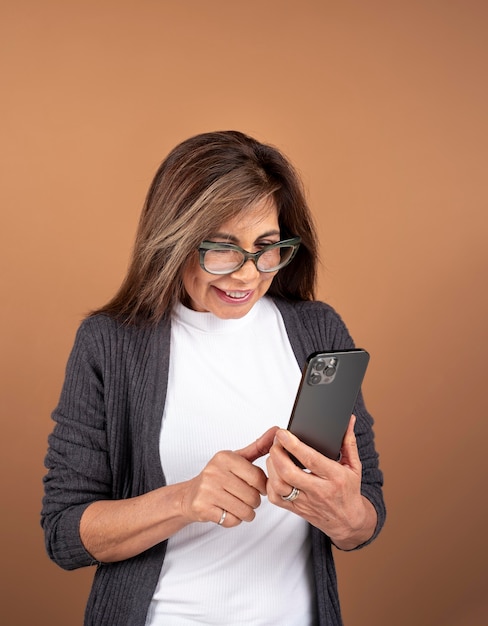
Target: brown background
<point>382,105</point>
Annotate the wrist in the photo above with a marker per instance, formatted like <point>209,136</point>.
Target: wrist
<point>360,527</point>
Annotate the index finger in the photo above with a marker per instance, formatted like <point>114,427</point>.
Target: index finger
<point>260,447</point>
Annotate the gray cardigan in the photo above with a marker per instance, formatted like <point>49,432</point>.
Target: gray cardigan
<point>105,445</point>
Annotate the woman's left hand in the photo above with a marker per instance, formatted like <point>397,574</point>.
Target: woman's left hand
<point>329,493</point>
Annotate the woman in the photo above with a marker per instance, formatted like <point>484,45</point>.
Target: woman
<point>168,465</point>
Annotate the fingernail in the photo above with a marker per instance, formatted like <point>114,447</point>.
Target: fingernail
<point>282,436</point>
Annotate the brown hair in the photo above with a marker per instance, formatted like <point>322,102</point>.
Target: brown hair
<point>205,181</point>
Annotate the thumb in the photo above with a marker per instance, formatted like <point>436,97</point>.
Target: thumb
<point>349,451</point>
<point>260,447</point>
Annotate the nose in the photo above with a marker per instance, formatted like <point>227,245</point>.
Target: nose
<point>246,272</point>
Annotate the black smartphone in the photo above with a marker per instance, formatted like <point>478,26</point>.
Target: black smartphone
<point>325,399</point>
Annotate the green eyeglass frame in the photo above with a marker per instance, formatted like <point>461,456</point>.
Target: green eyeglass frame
<point>206,246</point>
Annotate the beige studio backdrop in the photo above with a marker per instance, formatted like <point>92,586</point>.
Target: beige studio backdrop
<point>382,105</point>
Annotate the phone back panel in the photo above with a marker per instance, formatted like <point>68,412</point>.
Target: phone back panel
<point>325,399</point>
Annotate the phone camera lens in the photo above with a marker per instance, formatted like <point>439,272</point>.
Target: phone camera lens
<point>319,365</point>
<point>315,378</point>
<point>330,371</point>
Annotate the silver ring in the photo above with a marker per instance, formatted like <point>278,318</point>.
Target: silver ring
<point>222,517</point>
<point>293,495</point>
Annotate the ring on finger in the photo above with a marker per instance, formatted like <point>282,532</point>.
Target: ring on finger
<point>293,495</point>
<point>222,517</point>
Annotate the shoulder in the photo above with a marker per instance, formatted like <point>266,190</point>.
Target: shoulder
<point>311,314</point>
<point>305,308</point>
<point>105,324</point>
<point>314,326</point>
<point>104,334</point>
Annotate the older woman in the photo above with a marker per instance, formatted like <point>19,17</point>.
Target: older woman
<point>168,465</point>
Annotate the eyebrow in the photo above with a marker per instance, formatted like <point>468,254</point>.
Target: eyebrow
<point>234,239</point>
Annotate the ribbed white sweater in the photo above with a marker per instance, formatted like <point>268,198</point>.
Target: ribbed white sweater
<point>220,396</point>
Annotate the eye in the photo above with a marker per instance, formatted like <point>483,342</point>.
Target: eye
<point>262,244</point>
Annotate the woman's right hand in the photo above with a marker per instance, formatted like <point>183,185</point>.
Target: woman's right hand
<point>229,482</point>
<point>114,530</point>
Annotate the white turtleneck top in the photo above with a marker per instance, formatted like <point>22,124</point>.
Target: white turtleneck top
<point>229,381</point>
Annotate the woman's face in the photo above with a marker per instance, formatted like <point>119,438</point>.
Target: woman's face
<point>233,295</point>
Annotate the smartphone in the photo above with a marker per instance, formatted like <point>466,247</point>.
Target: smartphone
<point>325,399</point>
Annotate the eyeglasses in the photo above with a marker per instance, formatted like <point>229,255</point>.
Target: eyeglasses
<point>226,258</point>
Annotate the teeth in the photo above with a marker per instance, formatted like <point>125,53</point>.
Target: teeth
<point>236,294</point>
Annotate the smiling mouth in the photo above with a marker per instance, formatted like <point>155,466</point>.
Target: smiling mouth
<point>237,295</point>
<point>234,296</point>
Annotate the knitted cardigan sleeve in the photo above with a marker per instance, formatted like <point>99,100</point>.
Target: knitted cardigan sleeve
<point>111,400</point>
<point>314,326</point>
<point>77,460</point>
